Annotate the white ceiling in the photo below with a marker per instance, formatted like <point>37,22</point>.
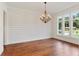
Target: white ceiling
<point>52,7</point>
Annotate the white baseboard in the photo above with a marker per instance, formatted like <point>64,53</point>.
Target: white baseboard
<point>1,51</point>
<point>71,40</point>
<point>27,40</point>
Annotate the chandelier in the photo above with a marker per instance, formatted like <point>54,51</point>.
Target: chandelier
<point>45,17</point>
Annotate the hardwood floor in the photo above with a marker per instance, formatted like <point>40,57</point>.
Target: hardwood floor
<point>46,47</point>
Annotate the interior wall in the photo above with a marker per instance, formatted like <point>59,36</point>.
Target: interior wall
<point>61,13</point>
<point>24,25</point>
<point>2,8</point>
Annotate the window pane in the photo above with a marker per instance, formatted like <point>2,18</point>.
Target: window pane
<point>60,19</point>
<point>66,18</point>
<point>60,25</point>
<point>66,23</point>
<point>60,31</point>
<point>77,15</point>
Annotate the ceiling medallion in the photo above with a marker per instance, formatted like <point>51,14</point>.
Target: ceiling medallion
<point>45,17</point>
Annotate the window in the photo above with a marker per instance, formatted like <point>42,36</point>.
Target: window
<point>75,29</point>
<point>69,26</point>
<point>66,26</point>
<point>60,26</point>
